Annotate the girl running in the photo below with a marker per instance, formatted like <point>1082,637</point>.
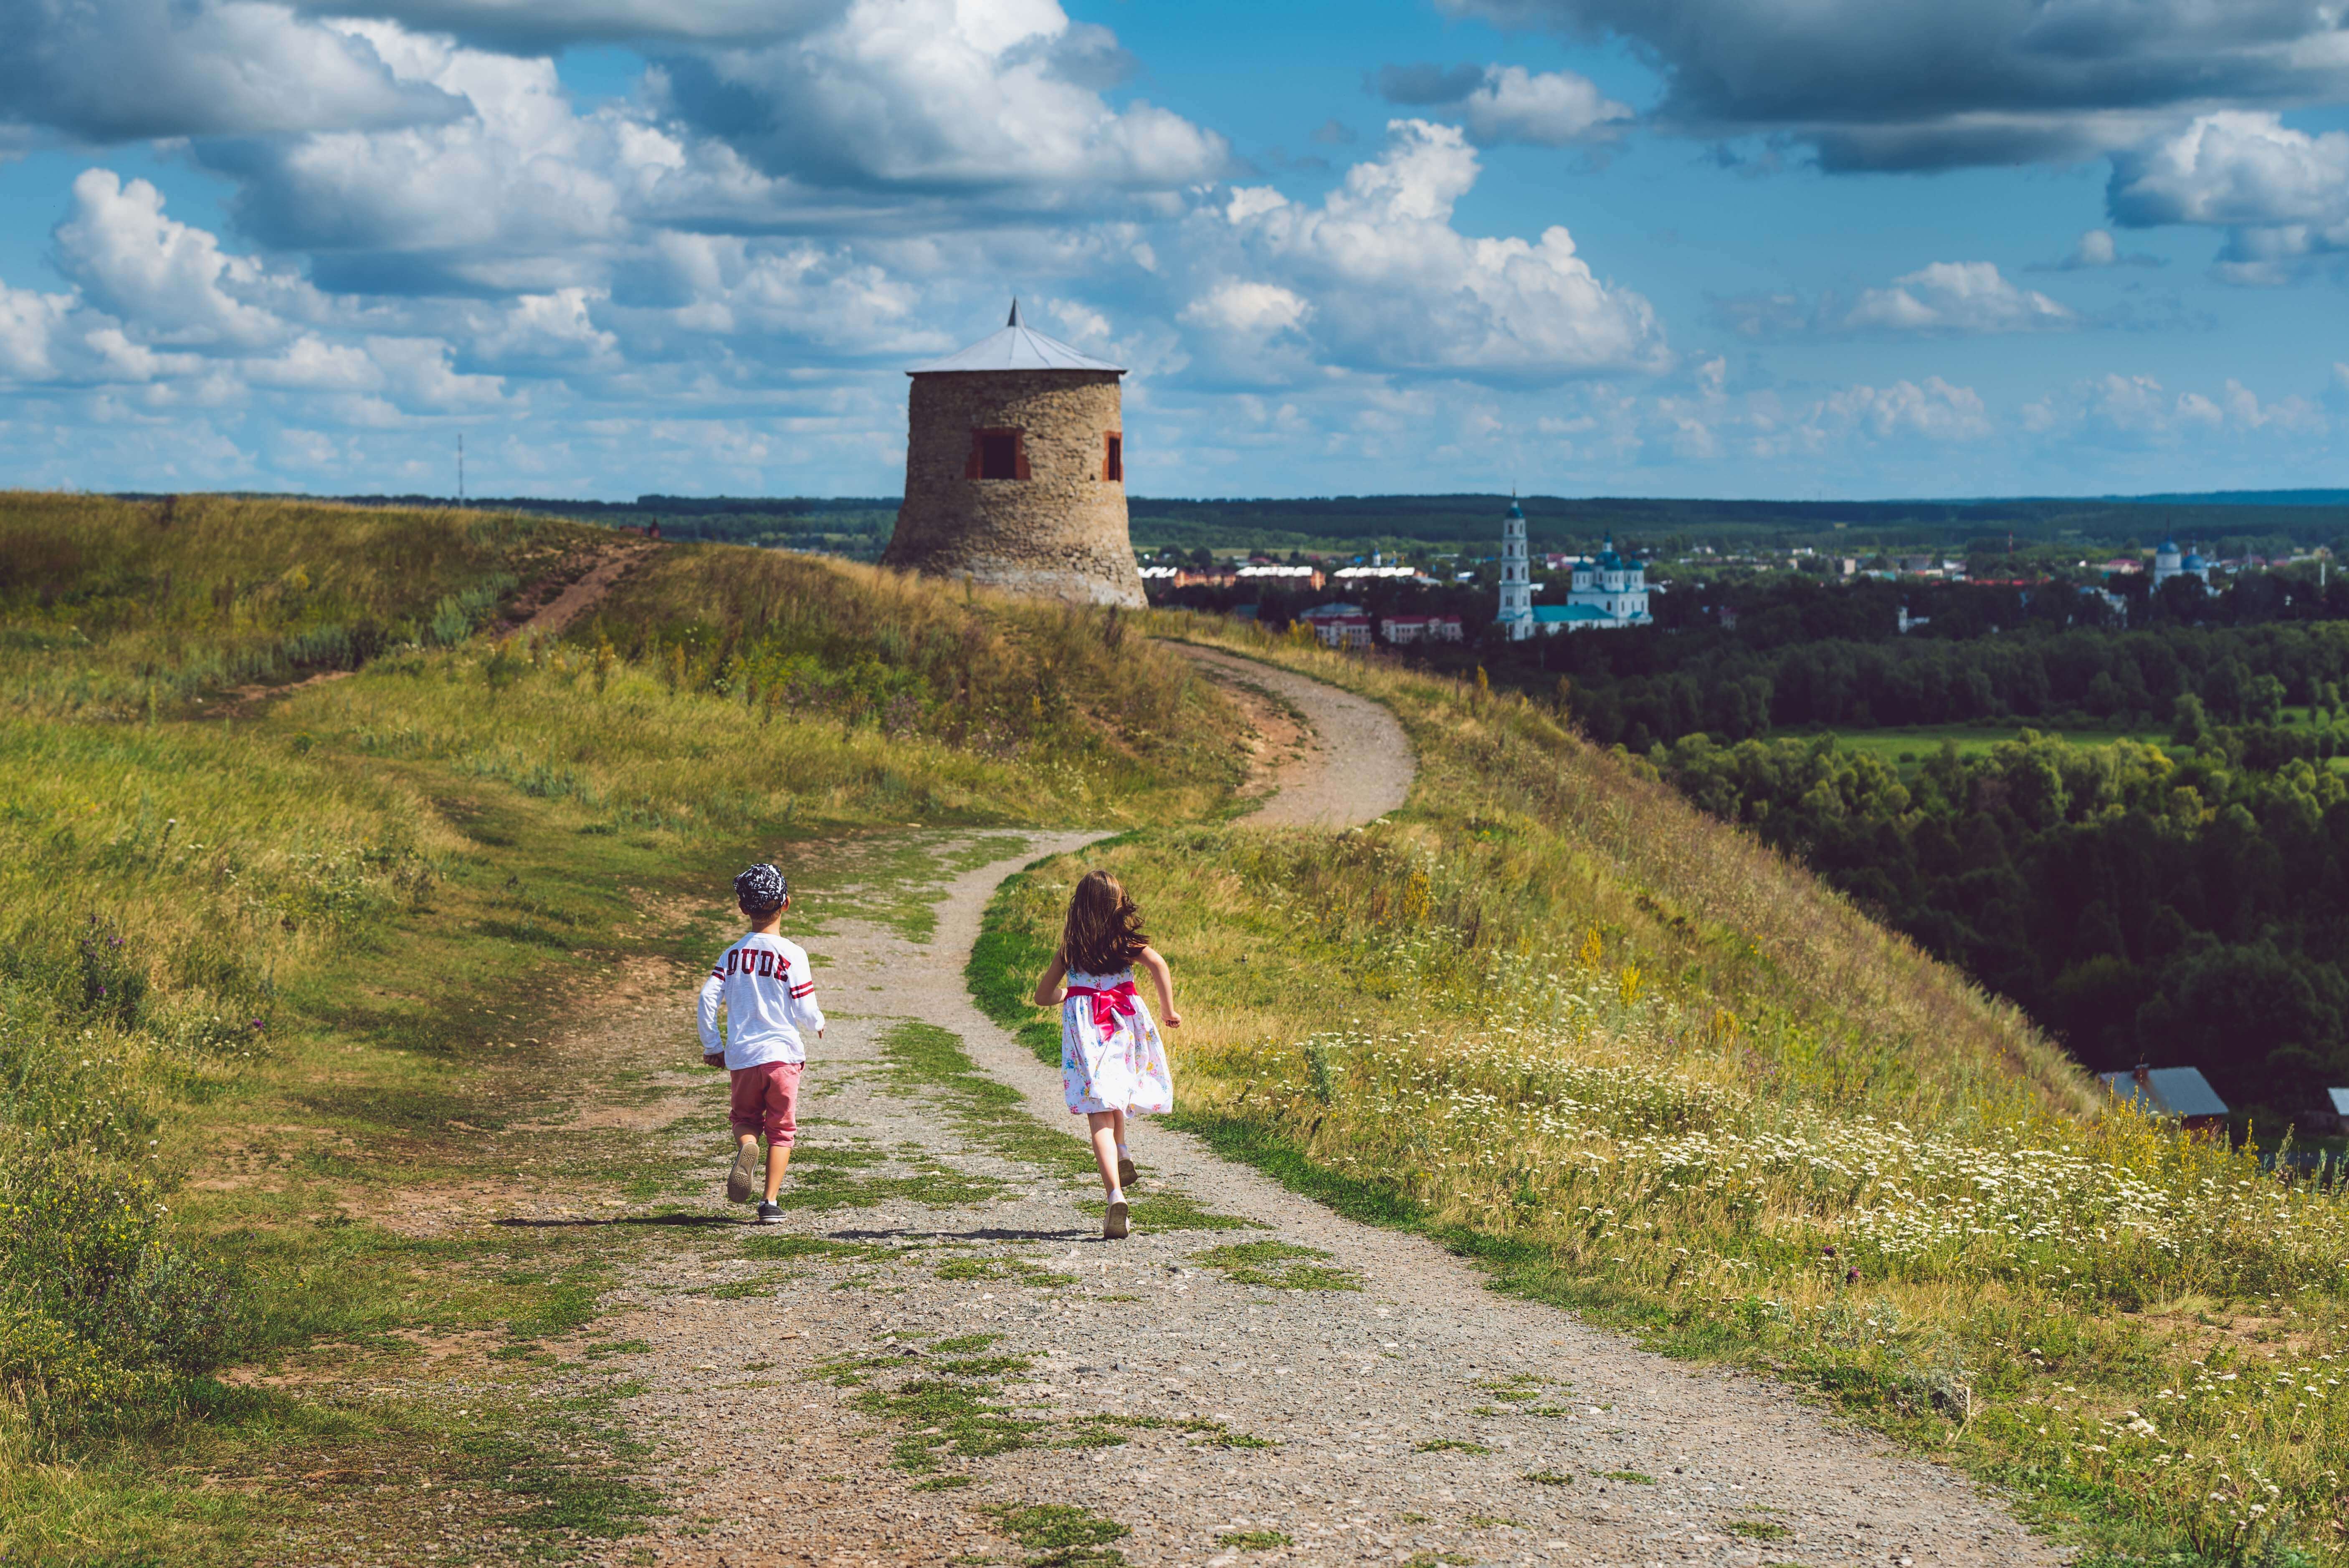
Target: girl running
<point>1112,1064</point>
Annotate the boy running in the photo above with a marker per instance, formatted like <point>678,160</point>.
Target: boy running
<point>769,993</point>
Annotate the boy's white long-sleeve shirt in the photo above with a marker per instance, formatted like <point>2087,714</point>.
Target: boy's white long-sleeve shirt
<point>768,992</point>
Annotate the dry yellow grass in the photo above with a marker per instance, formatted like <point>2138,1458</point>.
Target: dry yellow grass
<point>112,608</point>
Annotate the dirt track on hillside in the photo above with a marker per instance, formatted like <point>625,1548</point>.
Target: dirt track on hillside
<point>547,614</point>
<point>1356,765</point>
<point>1418,1414</point>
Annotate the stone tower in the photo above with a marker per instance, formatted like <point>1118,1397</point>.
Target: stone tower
<point>1015,471</point>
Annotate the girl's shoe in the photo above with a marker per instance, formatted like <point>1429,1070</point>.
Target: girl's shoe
<point>743,1181</point>
<point>1125,1172</point>
<point>770,1213</point>
<point>1114,1226</point>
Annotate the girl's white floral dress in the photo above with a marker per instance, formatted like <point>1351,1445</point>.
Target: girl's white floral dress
<point>1111,1055</point>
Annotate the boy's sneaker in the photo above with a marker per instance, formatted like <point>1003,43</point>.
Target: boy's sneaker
<point>1125,1171</point>
<point>770,1213</point>
<point>1114,1226</point>
<point>743,1181</point>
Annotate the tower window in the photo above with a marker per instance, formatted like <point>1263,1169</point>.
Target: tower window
<point>1113,456</point>
<point>997,455</point>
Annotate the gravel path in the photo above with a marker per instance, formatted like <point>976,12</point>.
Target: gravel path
<point>1357,768</point>
<point>950,1340</point>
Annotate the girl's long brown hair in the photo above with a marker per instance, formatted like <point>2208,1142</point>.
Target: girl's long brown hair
<point>1104,933</point>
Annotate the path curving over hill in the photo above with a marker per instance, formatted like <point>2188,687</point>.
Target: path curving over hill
<point>951,1342</point>
<point>1355,765</point>
<point>545,608</point>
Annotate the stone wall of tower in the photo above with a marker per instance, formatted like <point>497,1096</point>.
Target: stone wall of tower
<point>1060,531</point>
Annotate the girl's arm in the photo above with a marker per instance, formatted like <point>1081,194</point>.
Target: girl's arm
<point>1047,989</point>
<point>1163,978</point>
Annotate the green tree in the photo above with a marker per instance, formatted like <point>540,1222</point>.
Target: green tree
<point>2189,724</point>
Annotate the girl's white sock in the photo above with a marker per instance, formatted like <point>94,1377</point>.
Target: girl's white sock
<point>1117,1195</point>
<point>1121,1152</point>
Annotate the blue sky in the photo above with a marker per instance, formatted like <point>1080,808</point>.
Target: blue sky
<point>1788,248</point>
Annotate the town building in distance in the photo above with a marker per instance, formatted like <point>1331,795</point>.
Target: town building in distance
<point>1516,616</point>
<point>2168,562</point>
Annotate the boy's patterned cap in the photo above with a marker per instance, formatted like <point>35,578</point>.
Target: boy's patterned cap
<point>761,887</point>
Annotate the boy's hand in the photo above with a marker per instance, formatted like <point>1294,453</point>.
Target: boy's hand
<point>717,1060</point>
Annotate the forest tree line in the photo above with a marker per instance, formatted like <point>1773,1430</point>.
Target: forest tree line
<point>2180,906</point>
<point>1642,688</point>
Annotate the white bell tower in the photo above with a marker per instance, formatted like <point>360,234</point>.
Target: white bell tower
<point>1516,587</point>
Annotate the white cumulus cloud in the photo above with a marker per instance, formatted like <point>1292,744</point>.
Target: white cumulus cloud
<point>1958,297</point>
<point>2281,194</point>
<point>980,94</point>
<point>29,325</point>
<point>1509,103</point>
<point>1942,299</point>
<point>1393,286</point>
<point>1255,310</point>
<point>1545,109</point>
<point>112,70</point>
<point>2128,412</point>
<point>172,280</point>
<point>1933,410</point>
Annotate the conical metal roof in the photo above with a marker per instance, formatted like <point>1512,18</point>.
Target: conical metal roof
<point>1016,347</point>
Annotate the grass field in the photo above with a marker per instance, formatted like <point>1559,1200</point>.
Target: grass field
<point>1909,747</point>
<point>266,978</point>
<point>1551,1015</point>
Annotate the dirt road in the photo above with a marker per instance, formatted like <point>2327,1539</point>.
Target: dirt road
<point>936,1359</point>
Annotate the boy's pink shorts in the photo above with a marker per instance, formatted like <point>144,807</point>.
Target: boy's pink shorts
<point>764,1098</point>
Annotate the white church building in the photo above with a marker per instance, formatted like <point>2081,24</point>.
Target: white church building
<point>1609,591</point>
<point>2168,563</point>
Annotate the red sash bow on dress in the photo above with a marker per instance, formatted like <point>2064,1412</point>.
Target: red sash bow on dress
<point>1110,1003</point>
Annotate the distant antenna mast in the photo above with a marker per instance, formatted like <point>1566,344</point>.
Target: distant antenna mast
<point>461,467</point>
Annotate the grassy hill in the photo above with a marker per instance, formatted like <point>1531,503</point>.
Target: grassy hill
<point>273,971</point>
<point>1554,1016</point>
<point>267,966</point>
